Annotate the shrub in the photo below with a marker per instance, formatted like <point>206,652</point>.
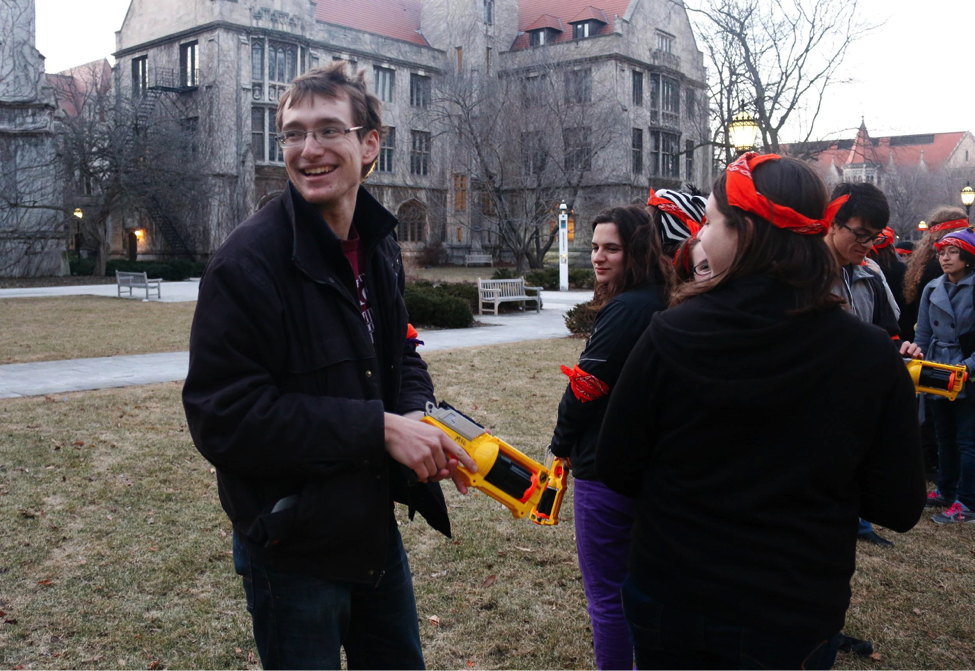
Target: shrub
<point>581,278</point>
<point>430,307</point>
<point>580,319</point>
<point>467,292</point>
<point>504,274</point>
<point>547,278</point>
<point>173,271</point>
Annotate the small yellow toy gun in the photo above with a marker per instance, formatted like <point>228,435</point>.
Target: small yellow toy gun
<point>503,473</point>
<point>546,511</point>
<point>937,378</point>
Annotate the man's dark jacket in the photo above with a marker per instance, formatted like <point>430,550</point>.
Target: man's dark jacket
<point>285,393</point>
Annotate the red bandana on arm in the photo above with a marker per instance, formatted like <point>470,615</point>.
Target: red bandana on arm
<point>667,206</point>
<point>586,387</point>
<point>742,194</point>
<point>950,225</point>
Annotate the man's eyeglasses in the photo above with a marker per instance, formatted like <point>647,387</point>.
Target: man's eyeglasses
<point>703,269</point>
<point>290,139</point>
<point>865,238</point>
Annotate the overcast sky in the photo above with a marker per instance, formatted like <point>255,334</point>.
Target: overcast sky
<point>916,74</point>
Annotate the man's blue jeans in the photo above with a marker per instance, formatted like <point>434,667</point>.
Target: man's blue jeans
<point>301,621</point>
<point>954,427</point>
<point>666,637</point>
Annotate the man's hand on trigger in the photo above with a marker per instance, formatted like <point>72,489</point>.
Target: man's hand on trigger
<point>911,350</point>
<point>424,449</point>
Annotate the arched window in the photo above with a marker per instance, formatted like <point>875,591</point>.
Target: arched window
<point>281,65</point>
<point>412,217</point>
<point>292,65</point>
<point>257,61</point>
<point>272,63</point>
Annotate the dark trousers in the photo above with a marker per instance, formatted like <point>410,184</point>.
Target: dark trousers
<point>302,622</point>
<point>954,426</point>
<point>666,637</point>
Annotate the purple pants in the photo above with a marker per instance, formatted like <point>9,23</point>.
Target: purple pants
<point>603,520</point>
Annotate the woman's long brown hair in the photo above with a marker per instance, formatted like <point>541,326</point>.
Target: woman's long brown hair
<point>803,262</point>
<point>924,250</point>
<point>643,257</point>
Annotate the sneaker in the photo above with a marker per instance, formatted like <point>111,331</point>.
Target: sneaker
<point>936,500</point>
<point>875,538</point>
<point>958,512</point>
<point>857,646</point>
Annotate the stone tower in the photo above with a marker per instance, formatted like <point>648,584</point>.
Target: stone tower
<point>31,221</point>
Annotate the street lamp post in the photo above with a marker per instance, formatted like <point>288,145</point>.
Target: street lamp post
<point>743,131</point>
<point>967,198</point>
<point>563,248</point>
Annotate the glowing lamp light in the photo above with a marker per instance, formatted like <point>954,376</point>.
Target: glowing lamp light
<point>923,226</point>
<point>743,131</point>
<point>139,233</point>
<point>968,195</point>
<point>78,213</point>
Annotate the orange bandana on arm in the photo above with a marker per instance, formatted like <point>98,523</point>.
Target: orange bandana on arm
<point>742,194</point>
<point>586,387</point>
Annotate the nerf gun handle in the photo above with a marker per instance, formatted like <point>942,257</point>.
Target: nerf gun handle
<point>937,378</point>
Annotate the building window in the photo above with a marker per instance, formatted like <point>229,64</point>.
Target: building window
<point>275,153</point>
<point>385,80</point>
<point>282,63</point>
<point>689,161</point>
<point>386,148</point>
<point>460,58</point>
<point>460,235</point>
<point>582,30</point>
<point>189,64</point>
<point>691,106</point>
<point>313,61</point>
<point>654,98</point>
<point>534,158</point>
<point>257,61</point>
<point>489,12</point>
<point>460,193</point>
<point>420,153</point>
<point>533,89</point>
<point>486,199</point>
<point>257,134</point>
<point>578,149</point>
<point>419,91</point>
<point>670,90</point>
<point>140,76</point>
<point>664,154</point>
<point>578,86</point>
<point>637,146</point>
<point>536,38</point>
<point>487,59</point>
<point>412,220</point>
<point>637,88</point>
<point>665,42</point>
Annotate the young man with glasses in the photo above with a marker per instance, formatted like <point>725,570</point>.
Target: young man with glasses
<point>303,390</point>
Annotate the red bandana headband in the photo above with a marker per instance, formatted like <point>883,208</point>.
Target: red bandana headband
<point>669,207</point>
<point>742,194</point>
<point>886,238</point>
<point>955,242</point>
<point>950,225</point>
<point>904,252</point>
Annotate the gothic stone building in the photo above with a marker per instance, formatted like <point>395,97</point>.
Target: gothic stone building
<point>233,59</point>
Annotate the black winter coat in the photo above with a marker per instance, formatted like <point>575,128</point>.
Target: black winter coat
<point>285,393</point>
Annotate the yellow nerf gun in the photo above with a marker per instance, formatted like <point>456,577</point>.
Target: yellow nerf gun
<point>503,473</point>
<point>546,511</point>
<point>937,378</point>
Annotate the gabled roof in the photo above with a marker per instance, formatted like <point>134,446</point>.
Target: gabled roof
<point>589,13</point>
<point>398,19</point>
<point>531,12</point>
<point>546,21</point>
<point>73,86</point>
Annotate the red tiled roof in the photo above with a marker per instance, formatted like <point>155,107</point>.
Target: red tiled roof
<point>902,150</point>
<point>399,19</point>
<point>529,12</point>
<point>589,13</point>
<point>73,85</point>
<point>546,21</point>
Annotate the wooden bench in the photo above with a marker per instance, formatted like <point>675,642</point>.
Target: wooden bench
<point>130,281</point>
<point>478,258</point>
<point>506,291</point>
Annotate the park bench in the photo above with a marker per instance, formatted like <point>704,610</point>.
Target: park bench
<point>506,291</point>
<point>129,281</point>
<point>478,258</point>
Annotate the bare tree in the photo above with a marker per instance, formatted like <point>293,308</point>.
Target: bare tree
<point>528,140</point>
<point>777,58</point>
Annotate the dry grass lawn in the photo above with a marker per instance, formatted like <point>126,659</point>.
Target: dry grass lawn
<point>74,327</point>
<point>116,553</point>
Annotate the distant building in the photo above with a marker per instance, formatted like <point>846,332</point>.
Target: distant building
<point>228,61</point>
<point>32,231</point>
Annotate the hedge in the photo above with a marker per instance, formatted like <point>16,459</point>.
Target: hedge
<point>172,271</point>
<point>548,278</point>
<point>581,318</point>
<point>432,306</point>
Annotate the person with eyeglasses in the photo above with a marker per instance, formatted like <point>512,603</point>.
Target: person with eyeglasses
<point>946,331</point>
<point>304,391</point>
<point>691,263</point>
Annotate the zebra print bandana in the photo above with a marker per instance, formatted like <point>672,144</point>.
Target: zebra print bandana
<point>681,214</point>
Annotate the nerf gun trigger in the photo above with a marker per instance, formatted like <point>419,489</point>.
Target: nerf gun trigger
<point>546,511</point>
<point>503,473</point>
<point>937,378</point>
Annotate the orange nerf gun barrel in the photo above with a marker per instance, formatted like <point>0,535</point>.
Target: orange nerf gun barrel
<point>937,378</point>
<point>503,473</point>
<point>546,511</point>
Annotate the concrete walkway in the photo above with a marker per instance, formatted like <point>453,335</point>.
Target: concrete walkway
<point>171,292</point>
<point>54,377</point>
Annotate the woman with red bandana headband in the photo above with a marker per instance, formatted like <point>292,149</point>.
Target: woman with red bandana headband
<point>633,282</point>
<point>884,254</point>
<point>946,327</point>
<point>755,421</point>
